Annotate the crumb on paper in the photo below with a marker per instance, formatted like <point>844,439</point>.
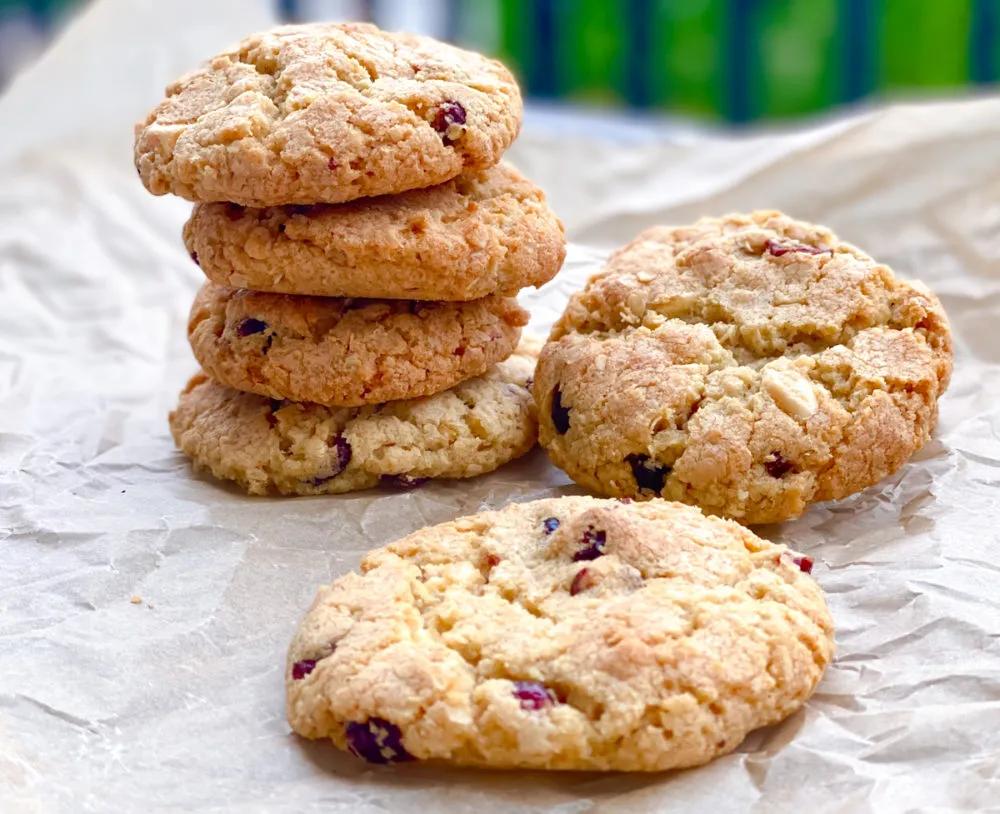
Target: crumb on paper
<point>136,599</point>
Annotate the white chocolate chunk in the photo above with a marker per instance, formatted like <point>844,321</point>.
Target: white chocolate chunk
<point>791,391</point>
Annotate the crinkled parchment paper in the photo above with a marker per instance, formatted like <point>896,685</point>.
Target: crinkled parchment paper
<point>176,703</point>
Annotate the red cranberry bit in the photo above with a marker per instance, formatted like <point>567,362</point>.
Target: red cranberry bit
<point>448,121</point>
<point>377,741</point>
<point>777,466</point>
<point>804,563</point>
<point>550,524</point>
<point>778,249</point>
<point>250,326</point>
<point>533,696</point>
<point>560,414</point>
<point>402,481</point>
<point>302,668</point>
<point>492,560</point>
<point>649,475</point>
<point>581,582</point>
<point>332,164</point>
<point>594,540</point>
<point>341,458</point>
<point>194,257</point>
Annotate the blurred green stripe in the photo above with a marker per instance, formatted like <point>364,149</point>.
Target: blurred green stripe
<point>924,43</point>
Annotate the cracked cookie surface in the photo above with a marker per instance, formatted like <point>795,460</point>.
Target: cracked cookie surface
<point>569,633</point>
<point>481,233</point>
<point>271,446</point>
<point>751,365</point>
<point>347,352</point>
<point>327,112</point>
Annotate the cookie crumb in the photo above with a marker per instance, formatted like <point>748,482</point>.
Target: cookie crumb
<point>136,599</point>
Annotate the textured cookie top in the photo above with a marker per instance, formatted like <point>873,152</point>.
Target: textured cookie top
<point>481,233</point>
<point>295,448</point>
<point>571,633</point>
<point>347,352</point>
<point>750,365</point>
<point>765,283</point>
<point>327,112</point>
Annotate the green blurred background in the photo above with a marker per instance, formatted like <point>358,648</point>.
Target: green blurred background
<point>726,60</point>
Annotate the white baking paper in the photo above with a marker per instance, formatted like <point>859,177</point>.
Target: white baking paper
<point>175,703</point>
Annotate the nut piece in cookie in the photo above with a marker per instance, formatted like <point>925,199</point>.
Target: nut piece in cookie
<point>490,641</point>
<point>751,365</point>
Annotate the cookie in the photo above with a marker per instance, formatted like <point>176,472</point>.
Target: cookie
<point>750,365</point>
<point>484,232</point>
<point>347,352</point>
<point>324,113</point>
<point>569,633</point>
<point>269,446</point>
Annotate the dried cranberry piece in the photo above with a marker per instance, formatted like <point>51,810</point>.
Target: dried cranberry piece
<point>594,541</point>
<point>448,118</point>
<point>777,466</point>
<point>648,474</point>
<point>581,582</point>
<point>402,481</point>
<point>332,164</point>
<point>341,458</point>
<point>377,741</point>
<point>804,563</point>
<point>194,257</point>
<point>778,249</point>
<point>250,326</point>
<point>533,696</point>
<point>302,668</point>
<point>560,414</point>
<point>550,524</point>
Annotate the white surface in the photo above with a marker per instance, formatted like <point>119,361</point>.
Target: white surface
<point>177,703</point>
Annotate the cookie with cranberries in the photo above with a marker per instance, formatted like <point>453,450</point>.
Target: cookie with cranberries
<point>568,633</point>
<point>325,113</point>
<point>275,446</point>
<point>346,352</point>
<point>751,365</point>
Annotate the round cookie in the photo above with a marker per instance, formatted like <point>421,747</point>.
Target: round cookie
<point>289,448</point>
<point>749,365</point>
<point>569,633</point>
<point>327,112</point>
<point>347,352</point>
<point>484,232</point>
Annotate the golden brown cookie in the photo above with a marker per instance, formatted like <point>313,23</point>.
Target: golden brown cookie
<point>269,446</point>
<point>750,365</point>
<point>327,112</point>
<point>346,352</point>
<point>570,633</point>
<point>484,232</point>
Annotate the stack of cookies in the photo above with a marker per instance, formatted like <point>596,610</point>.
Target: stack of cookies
<point>363,246</point>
